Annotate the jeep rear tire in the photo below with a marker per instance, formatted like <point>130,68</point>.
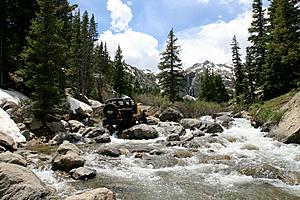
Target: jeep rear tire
<point>110,111</point>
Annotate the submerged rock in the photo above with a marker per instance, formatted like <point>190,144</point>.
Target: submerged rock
<point>96,194</point>
<point>109,151</point>
<point>83,173</point>
<point>139,132</point>
<point>173,137</point>
<point>18,182</point>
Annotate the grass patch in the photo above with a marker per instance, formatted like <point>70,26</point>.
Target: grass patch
<point>199,108</point>
<point>270,111</point>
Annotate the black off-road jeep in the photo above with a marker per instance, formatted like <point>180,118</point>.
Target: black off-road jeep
<point>122,113</point>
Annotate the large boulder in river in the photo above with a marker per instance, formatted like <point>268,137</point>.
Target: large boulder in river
<point>168,128</point>
<point>78,107</point>
<point>96,194</point>
<point>190,122</point>
<point>19,183</point>
<point>211,127</point>
<point>139,132</point>
<point>67,157</point>
<point>170,114</point>
<point>288,129</point>
<point>9,127</point>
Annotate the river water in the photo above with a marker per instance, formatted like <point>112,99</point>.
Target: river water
<point>239,163</point>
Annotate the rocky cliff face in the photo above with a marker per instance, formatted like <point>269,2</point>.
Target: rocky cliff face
<point>193,76</point>
<point>146,78</point>
<point>288,129</point>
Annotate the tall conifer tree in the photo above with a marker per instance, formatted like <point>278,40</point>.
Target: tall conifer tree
<point>119,80</point>
<point>257,36</point>
<point>238,68</point>
<point>171,77</point>
<point>45,57</point>
<point>281,70</point>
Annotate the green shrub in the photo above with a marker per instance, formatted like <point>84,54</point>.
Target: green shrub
<point>199,108</point>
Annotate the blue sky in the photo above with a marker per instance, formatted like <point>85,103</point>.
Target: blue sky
<point>204,27</point>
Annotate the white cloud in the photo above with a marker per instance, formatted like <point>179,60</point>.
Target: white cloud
<point>212,42</point>
<point>139,49</point>
<point>120,14</point>
<point>203,1</point>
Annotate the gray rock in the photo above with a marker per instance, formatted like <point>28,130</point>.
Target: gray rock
<point>109,151</point>
<point>12,158</point>
<point>189,123</point>
<point>225,121</point>
<point>67,146</point>
<point>105,138</point>
<point>67,162</point>
<point>95,132</point>
<point>288,129</point>
<point>56,127</point>
<point>18,182</point>
<point>21,126</point>
<point>151,120</point>
<point>173,137</point>
<point>96,194</point>
<point>35,124</point>
<point>198,133</point>
<point>139,132</point>
<point>7,142</point>
<point>75,125</point>
<point>67,157</point>
<point>28,135</point>
<point>187,137</point>
<point>59,138</point>
<point>167,128</point>
<point>170,114</point>
<point>83,173</point>
<point>211,127</point>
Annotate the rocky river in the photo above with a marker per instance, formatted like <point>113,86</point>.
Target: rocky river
<point>239,163</point>
<point>223,156</point>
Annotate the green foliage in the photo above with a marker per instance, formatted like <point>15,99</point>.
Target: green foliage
<point>212,88</point>
<point>256,50</point>
<point>15,20</point>
<point>45,57</point>
<point>239,73</point>
<point>171,77</point>
<point>281,70</point>
<point>120,83</point>
<point>199,108</point>
<point>270,111</point>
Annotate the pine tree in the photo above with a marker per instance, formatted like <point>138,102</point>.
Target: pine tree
<point>205,92</point>
<point>238,68</point>
<point>249,68</point>
<point>119,79</point>
<point>281,69</point>
<point>45,57</point>
<point>220,90</point>
<point>74,71</point>
<point>15,21</point>
<point>88,34</point>
<point>257,41</point>
<point>171,78</point>
<point>212,88</point>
